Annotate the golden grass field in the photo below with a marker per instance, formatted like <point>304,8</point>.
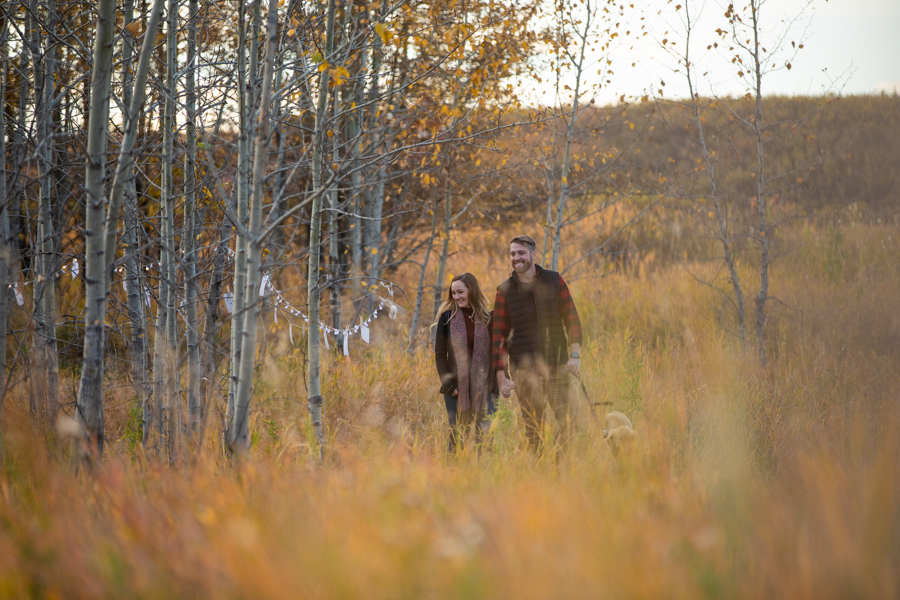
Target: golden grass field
<point>748,481</point>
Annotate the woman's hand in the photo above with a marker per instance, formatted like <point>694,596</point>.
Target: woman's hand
<point>506,385</point>
<point>455,393</point>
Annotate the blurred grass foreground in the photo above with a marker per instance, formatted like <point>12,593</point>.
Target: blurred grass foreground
<point>747,481</point>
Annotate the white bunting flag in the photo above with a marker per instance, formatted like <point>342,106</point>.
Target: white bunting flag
<point>229,301</point>
<point>325,335</point>
<point>74,268</point>
<point>346,343</point>
<point>124,285</point>
<point>291,331</point>
<point>276,311</point>
<point>19,299</point>
<point>263,284</point>
<point>364,333</point>
<point>147,297</point>
<point>393,313</point>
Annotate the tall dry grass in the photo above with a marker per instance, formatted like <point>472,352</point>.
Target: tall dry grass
<point>749,481</point>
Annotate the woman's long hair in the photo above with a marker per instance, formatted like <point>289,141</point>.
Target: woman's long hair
<point>477,300</point>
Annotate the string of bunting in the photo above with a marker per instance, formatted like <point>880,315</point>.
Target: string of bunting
<point>280,304</point>
<point>362,328</point>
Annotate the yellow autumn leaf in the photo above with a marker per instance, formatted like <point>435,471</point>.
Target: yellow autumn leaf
<point>291,32</point>
<point>338,74</point>
<point>382,30</point>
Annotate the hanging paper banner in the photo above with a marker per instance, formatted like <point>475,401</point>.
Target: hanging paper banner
<point>325,335</point>
<point>263,284</point>
<point>291,331</point>
<point>19,299</point>
<point>346,343</point>
<point>364,333</point>
<point>74,268</point>
<point>147,297</point>
<point>229,301</point>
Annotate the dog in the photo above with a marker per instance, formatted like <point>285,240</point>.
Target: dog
<point>619,434</point>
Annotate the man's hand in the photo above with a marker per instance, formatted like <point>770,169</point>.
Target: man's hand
<point>573,366</point>
<point>506,385</point>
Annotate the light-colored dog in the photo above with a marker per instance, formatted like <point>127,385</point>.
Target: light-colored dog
<point>619,434</point>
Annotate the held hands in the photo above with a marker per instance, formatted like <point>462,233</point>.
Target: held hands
<point>506,385</point>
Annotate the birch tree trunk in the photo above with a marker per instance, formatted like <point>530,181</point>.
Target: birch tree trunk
<point>192,226</point>
<point>246,104</point>
<point>90,392</point>
<point>208,366</point>
<point>45,262</point>
<point>173,398</point>
<point>100,233</point>
<point>445,241</point>
<point>5,249</point>
<point>314,386</point>
<point>334,259</point>
<point>720,213</point>
<point>133,286</point>
<point>374,190</point>
<point>240,432</point>
<point>564,180</point>
<point>420,290</point>
<point>354,130</point>
<point>762,225</point>
<point>280,173</point>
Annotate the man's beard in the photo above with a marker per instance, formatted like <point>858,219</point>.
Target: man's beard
<point>522,266</point>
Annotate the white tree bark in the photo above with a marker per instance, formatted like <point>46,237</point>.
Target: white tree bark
<point>46,377</point>
<point>445,240</point>
<point>240,432</point>
<point>246,102</point>
<point>314,386</point>
<point>172,380</point>
<point>570,135</point>
<point>762,224</point>
<point>721,215</point>
<point>90,392</point>
<point>5,249</point>
<point>192,224</point>
<point>133,286</point>
<point>420,289</point>
<point>100,233</point>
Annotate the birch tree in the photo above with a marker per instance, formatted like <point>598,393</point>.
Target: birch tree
<point>43,64</point>
<point>102,225</point>
<point>313,294</point>
<point>5,246</point>
<point>192,226</point>
<point>736,166</point>
<point>240,432</point>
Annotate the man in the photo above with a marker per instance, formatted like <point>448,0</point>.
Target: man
<point>536,325</point>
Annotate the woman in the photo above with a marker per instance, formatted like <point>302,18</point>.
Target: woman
<point>462,349</point>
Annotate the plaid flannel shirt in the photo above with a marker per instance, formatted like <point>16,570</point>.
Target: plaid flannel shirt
<point>502,323</point>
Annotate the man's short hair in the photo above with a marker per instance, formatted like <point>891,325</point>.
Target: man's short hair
<point>525,240</point>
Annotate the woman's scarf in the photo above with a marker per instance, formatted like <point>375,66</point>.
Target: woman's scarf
<point>472,382</point>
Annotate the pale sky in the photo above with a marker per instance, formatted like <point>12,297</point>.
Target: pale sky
<point>851,46</point>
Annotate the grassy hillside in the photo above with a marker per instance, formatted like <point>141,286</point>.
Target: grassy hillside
<point>747,481</point>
